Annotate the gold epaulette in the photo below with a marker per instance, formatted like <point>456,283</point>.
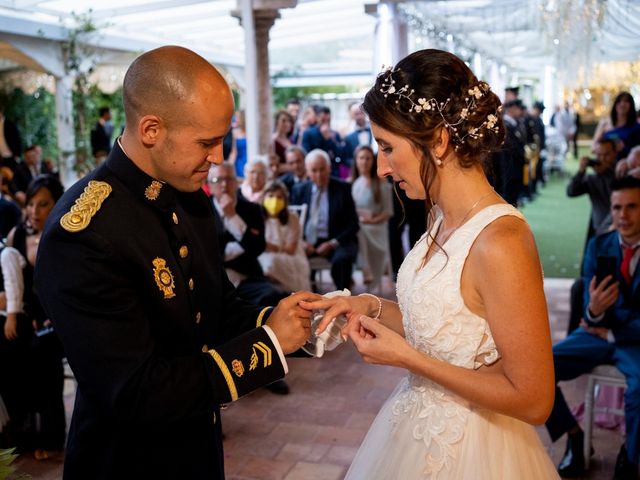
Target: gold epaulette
<point>86,206</point>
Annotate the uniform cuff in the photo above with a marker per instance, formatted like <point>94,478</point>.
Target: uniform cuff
<point>275,341</point>
<point>244,364</point>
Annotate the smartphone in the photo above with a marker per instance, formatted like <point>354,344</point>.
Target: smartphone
<point>606,265</point>
<point>592,162</point>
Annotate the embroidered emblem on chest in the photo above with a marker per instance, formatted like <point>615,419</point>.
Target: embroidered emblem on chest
<point>152,192</point>
<point>86,206</point>
<point>237,368</point>
<point>163,277</point>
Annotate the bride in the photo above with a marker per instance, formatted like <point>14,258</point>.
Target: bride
<point>471,324</point>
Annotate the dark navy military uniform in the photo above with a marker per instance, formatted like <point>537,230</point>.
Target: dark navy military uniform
<point>129,271</point>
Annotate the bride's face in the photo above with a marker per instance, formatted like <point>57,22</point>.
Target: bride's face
<point>398,159</point>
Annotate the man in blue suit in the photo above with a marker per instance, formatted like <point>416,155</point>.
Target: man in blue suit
<point>611,333</point>
<point>332,225</point>
<point>361,134</point>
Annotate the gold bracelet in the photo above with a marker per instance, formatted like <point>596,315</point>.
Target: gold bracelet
<point>379,303</point>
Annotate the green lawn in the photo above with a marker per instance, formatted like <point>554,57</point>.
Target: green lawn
<point>559,224</point>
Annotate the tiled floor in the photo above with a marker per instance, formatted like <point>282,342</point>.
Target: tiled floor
<point>313,433</point>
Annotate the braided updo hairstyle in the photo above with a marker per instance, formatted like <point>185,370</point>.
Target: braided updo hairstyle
<point>439,75</point>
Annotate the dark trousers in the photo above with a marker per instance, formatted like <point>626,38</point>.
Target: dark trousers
<point>342,260</point>
<point>580,353</point>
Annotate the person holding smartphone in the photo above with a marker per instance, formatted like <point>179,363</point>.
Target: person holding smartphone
<point>596,185</point>
<point>611,332</point>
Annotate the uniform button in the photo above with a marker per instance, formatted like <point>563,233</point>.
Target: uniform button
<point>198,318</point>
<point>174,216</point>
<point>184,251</point>
<point>205,348</point>
<point>191,284</point>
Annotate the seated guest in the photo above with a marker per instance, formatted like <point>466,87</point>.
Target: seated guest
<point>295,162</point>
<point>629,166</point>
<point>256,174</point>
<point>611,335</point>
<point>331,226</point>
<point>284,259</point>
<point>242,240</point>
<point>361,134</point>
<point>241,231</point>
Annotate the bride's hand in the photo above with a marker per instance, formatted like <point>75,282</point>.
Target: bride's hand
<point>376,343</point>
<point>336,306</point>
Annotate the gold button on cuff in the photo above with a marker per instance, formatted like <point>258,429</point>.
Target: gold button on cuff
<point>191,284</point>
<point>205,348</point>
<point>184,251</point>
<point>198,318</point>
<point>174,217</point>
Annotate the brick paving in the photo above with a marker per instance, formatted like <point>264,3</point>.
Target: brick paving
<point>313,433</point>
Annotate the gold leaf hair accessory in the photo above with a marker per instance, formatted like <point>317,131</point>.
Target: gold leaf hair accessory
<point>422,105</point>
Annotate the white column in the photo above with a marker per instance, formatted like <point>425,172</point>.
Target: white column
<point>391,38</point>
<point>251,115</point>
<point>66,134</point>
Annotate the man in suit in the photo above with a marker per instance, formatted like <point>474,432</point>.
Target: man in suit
<point>297,173</point>
<point>331,225</point>
<point>10,142</point>
<point>361,135</point>
<point>321,136</point>
<point>509,162</point>
<point>130,273</point>
<point>101,134</point>
<point>27,170</point>
<point>610,335</point>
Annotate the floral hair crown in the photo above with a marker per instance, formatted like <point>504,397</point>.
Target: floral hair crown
<point>422,105</point>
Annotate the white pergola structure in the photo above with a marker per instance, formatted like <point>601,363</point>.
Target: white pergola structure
<point>330,42</point>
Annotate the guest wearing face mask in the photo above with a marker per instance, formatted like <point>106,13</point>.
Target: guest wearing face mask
<point>284,259</point>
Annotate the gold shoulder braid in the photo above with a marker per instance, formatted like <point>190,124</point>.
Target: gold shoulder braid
<point>86,206</point>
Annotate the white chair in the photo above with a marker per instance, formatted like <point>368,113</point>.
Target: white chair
<point>602,375</point>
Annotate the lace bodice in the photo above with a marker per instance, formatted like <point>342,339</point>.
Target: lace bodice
<point>438,323</point>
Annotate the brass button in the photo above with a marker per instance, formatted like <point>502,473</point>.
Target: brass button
<point>191,284</point>
<point>174,217</point>
<point>184,251</point>
<point>205,348</point>
<point>198,318</point>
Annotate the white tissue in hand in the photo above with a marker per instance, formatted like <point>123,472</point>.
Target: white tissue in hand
<point>331,337</point>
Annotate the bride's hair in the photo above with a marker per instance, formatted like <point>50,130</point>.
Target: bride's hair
<point>433,89</point>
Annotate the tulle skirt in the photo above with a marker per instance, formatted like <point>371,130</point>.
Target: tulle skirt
<point>488,446</point>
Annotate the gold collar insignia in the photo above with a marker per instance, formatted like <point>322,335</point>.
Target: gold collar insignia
<point>86,206</point>
<point>163,277</point>
<point>152,192</point>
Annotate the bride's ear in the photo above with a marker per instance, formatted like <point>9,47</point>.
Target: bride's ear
<point>441,143</point>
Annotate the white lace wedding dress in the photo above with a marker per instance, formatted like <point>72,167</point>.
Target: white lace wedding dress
<point>425,431</point>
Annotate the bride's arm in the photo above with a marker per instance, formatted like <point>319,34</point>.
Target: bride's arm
<point>504,268</point>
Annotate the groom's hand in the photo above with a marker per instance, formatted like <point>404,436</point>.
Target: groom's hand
<point>290,322</point>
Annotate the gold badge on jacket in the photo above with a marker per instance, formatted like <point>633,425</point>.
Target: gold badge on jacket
<point>237,368</point>
<point>86,206</point>
<point>163,277</point>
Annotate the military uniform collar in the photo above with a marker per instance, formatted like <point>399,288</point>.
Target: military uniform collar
<point>148,189</point>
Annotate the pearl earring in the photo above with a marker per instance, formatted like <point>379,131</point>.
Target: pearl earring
<point>438,160</point>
